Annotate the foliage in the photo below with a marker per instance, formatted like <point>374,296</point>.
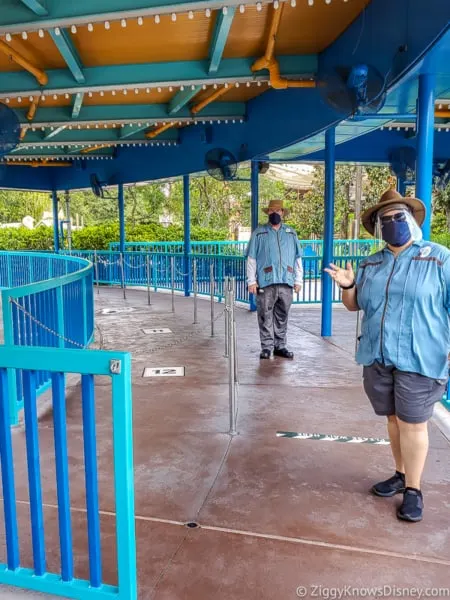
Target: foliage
<point>217,207</point>
<point>26,239</point>
<point>15,205</point>
<point>308,213</point>
<point>222,204</point>
<point>442,238</point>
<point>439,224</point>
<point>441,205</point>
<point>99,237</point>
<point>377,181</point>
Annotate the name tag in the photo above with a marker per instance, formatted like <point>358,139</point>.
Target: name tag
<point>425,251</point>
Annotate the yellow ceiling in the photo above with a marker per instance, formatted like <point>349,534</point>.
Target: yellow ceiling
<point>39,51</point>
<point>167,41</point>
<point>304,29</point>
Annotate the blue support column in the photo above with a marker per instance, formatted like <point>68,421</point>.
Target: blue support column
<point>121,219</point>
<point>187,235</point>
<point>255,195</point>
<point>328,233</point>
<point>55,222</point>
<point>425,140</point>
<point>254,178</point>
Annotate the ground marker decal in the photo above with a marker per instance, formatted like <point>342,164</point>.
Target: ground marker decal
<point>163,372</point>
<point>323,437</point>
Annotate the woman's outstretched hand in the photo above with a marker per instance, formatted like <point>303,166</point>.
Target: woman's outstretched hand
<point>343,277</point>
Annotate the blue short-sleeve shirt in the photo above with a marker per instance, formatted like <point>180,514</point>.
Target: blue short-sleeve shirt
<point>275,252</point>
<point>405,301</point>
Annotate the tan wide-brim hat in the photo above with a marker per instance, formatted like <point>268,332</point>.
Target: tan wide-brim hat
<point>276,205</point>
<point>389,198</point>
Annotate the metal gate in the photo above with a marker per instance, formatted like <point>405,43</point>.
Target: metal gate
<point>88,364</point>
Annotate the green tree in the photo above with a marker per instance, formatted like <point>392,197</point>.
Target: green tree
<point>441,205</point>
<point>308,211</point>
<point>144,204</point>
<point>218,205</point>
<point>15,205</point>
<point>377,181</point>
<point>214,203</point>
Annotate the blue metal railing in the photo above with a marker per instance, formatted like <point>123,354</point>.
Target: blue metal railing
<point>47,300</point>
<point>309,247</point>
<point>142,268</point>
<point>29,362</point>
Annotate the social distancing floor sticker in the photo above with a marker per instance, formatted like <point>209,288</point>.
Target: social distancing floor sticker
<point>324,437</point>
<point>164,372</point>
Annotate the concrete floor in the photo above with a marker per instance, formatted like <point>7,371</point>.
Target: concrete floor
<point>274,513</point>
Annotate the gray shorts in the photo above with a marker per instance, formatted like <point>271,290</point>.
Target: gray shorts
<point>409,396</point>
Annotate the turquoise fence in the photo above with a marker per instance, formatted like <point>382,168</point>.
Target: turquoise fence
<point>56,362</point>
<point>47,301</point>
<point>309,247</point>
<point>158,270</point>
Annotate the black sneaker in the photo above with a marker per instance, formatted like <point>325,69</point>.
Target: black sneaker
<point>390,487</point>
<point>411,508</point>
<point>283,352</point>
<point>265,354</point>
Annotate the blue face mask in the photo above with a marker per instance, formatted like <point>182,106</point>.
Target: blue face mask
<point>396,233</point>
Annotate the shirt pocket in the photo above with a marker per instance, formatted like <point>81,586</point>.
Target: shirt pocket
<point>268,274</point>
<point>290,275</point>
<point>371,291</point>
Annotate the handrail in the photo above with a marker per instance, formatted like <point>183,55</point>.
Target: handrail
<point>52,309</point>
<point>46,284</point>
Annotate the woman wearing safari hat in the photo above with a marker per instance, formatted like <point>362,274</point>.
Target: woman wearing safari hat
<point>274,270</point>
<point>403,292</point>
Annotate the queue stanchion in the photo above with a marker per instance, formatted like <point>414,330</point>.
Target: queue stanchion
<point>122,275</point>
<point>212,289</point>
<point>96,271</point>
<point>195,283</point>
<point>148,276</point>
<point>226,299</point>
<point>231,356</point>
<point>172,281</point>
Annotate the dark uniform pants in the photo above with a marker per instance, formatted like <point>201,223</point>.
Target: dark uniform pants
<point>273,303</point>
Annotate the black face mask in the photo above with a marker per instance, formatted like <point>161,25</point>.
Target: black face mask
<point>274,219</point>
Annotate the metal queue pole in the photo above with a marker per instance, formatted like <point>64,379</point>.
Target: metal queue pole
<point>122,275</point>
<point>236,376</point>
<point>195,292</point>
<point>96,271</point>
<point>148,267</point>
<point>212,286</point>
<point>69,222</point>
<point>231,358</point>
<point>172,281</point>
<point>226,299</point>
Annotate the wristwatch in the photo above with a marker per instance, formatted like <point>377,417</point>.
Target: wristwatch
<point>348,287</point>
